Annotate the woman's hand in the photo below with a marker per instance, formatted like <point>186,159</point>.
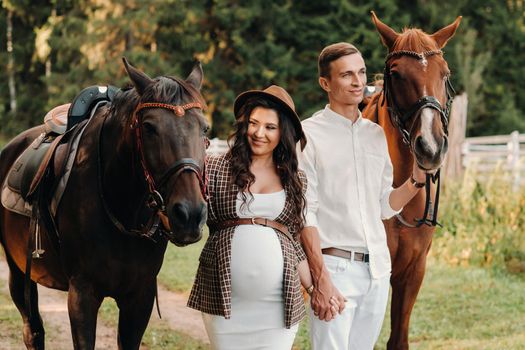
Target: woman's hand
<point>326,300</point>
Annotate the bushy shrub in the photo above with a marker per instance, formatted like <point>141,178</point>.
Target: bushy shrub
<point>483,222</point>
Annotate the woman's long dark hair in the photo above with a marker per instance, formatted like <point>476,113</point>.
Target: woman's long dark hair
<point>284,157</point>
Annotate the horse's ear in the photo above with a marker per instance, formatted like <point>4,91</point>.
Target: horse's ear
<point>444,34</point>
<point>196,75</point>
<point>139,79</point>
<point>388,35</point>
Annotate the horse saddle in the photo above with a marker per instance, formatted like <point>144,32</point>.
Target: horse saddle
<point>86,100</point>
<point>48,152</point>
<point>30,167</point>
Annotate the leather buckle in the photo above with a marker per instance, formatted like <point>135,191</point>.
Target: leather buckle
<point>265,224</point>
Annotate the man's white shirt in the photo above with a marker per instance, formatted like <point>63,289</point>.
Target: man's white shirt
<point>349,184</point>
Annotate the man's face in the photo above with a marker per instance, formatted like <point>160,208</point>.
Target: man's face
<point>345,85</point>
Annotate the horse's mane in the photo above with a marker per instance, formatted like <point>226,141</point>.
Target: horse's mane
<point>165,89</point>
<point>413,39</point>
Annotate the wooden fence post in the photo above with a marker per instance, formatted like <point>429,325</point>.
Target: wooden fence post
<point>457,128</point>
<point>514,157</point>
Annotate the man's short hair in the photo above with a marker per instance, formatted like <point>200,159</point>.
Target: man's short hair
<point>332,53</point>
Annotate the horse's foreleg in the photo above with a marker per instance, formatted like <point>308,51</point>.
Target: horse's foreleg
<point>405,288</point>
<point>33,326</point>
<point>135,311</point>
<point>83,304</point>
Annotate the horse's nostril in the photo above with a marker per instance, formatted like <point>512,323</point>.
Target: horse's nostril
<point>445,144</point>
<point>420,144</point>
<point>180,211</point>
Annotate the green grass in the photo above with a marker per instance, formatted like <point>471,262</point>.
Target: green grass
<point>180,266</point>
<point>457,308</point>
<point>10,321</point>
<point>467,308</point>
<point>177,274</point>
<point>158,336</point>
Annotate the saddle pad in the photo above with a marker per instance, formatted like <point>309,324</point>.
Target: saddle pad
<point>14,202</point>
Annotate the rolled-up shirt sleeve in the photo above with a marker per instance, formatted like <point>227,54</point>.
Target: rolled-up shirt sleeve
<point>386,190</point>
<point>307,164</point>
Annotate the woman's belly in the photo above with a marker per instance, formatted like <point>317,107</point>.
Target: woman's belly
<point>256,264</point>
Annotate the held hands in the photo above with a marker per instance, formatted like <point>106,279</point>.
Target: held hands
<point>326,300</point>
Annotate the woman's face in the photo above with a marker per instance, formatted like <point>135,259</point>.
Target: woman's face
<point>263,131</point>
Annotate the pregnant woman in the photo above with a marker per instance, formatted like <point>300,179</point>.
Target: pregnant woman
<point>248,284</point>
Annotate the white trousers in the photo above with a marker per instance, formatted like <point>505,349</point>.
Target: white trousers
<point>358,327</point>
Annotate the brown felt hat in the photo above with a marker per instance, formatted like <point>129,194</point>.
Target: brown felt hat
<point>278,95</point>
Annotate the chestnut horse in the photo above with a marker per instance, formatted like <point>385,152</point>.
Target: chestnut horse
<point>413,110</point>
<point>147,147</point>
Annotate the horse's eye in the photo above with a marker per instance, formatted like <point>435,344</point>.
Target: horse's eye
<point>395,75</point>
<point>205,129</point>
<point>149,128</point>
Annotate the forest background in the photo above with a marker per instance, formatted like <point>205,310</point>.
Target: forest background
<point>51,50</point>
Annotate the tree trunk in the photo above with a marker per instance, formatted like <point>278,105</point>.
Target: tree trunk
<point>10,62</point>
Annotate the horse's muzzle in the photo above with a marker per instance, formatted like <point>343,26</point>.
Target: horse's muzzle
<point>430,157</point>
<point>186,222</point>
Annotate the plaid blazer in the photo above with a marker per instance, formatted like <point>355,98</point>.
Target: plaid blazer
<point>211,292</point>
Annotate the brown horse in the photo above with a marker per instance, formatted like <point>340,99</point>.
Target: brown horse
<point>147,144</point>
<point>413,111</point>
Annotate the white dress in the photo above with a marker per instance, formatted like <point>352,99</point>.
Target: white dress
<point>257,317</point>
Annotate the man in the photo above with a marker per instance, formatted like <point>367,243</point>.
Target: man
<point>349,191</point>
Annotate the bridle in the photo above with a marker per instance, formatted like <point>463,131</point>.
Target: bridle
<point>153,199</point>
<point>399,118</point>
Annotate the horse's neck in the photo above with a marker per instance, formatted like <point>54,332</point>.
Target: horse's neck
<point>400,155</point>
<point>121,170</point>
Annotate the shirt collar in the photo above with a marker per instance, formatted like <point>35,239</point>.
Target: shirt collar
<point>338,118</point>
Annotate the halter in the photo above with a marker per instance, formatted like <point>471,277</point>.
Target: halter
<point>400,118</point>
<point>153,199</point>
<point>180,166</point>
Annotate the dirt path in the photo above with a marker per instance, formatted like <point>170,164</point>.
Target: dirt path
<point>53,308</point>
<point>178,316</point>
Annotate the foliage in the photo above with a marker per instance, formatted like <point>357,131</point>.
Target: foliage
<point>483,223</point>
<point>63,46</point>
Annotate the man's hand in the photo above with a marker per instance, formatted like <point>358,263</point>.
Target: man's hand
<point>418,173</point>
<point>326,300</point>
